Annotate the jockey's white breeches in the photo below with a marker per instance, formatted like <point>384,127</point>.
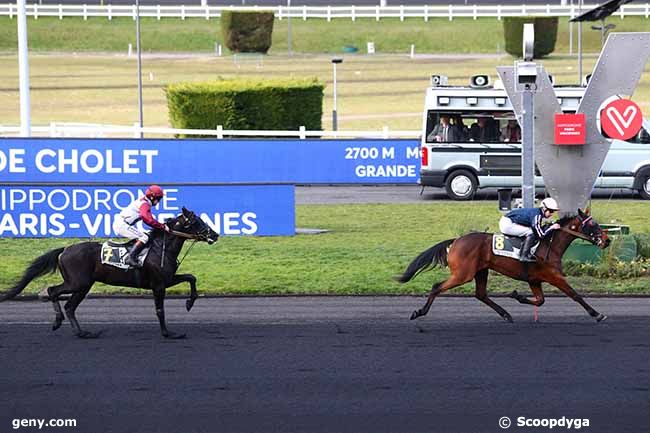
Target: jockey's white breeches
<point>128,231</point>
<point>507,227</point>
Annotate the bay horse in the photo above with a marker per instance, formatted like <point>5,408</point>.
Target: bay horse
<point>81,266</point>
<point>470,257</point>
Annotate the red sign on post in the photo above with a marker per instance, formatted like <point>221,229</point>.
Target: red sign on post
<point>621,119</point>
<point>570,129</point>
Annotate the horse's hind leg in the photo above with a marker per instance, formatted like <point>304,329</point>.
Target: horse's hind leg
<point>536,288</point>
<point>70,309</point>
<point>481,279</point>
<point>438,288</point>
<point>52,293</point>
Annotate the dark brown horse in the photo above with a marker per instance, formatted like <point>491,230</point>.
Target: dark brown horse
<point>81,266</point>
<point>470,257</point>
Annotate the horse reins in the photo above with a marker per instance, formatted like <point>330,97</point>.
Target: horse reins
<point>577,234</point>
<point>180,235</point>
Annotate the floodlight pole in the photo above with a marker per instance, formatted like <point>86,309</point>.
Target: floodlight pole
<point>335,62</point>
<point>137,42</point>
<point>23,71</point>
<point>579,43</point>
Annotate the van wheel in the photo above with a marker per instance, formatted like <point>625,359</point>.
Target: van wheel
<point>461,185</point>
<point>644,190</point>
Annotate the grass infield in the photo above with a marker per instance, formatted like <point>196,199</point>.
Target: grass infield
<point>365,247</point>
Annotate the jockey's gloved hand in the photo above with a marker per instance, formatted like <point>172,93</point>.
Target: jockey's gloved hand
<point>166,228</point>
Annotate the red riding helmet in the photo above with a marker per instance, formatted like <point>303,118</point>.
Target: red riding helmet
<point>154,192</point>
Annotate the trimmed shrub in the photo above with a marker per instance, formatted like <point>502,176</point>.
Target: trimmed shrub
<point>643,244</point>
<point>545,35</point>
<point>247,32</point>
<point>246,104</point>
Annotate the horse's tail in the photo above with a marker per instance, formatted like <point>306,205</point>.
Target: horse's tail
<point>436,255</point>
<point>44,264</point>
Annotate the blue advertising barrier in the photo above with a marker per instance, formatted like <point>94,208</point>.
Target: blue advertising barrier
<point>88,211</point>
<point>178,162</point>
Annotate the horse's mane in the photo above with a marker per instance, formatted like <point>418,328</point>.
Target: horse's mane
<point>566,219</point>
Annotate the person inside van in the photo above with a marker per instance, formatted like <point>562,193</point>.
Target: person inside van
<point>527,223</point>
<point>481,131</point>
<point>457,121</point>
<point>444,132</point>
<point>511,133</point>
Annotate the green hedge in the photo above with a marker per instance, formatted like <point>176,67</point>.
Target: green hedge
<point>246,104</point>
<point>545,35</point>
<point>247,32</point>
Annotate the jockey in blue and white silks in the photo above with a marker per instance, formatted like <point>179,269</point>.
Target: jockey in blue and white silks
<point>527,222</point>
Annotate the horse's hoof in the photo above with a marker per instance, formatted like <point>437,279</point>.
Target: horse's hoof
<point>43,295</point>
<point>508,318</point>
<point>415,315</point>
<point>189,304</point>
<point>514,294</point>
<point>601,317</point>
<point>57,323</point>
<point>174,336</point>
<point>89,335</point>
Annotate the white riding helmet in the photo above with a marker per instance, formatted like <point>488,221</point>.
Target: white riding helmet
<point>550,204</point>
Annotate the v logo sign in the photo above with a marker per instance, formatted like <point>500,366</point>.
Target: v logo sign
<point>621,121</point>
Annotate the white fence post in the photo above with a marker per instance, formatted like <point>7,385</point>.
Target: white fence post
<point>354,13</point>
<point>183,12</point>
<point>11,11</point>
<point>136,130</point>
<point>451,13</point>
<point>377,13</point>
<point>384,131</point>
<point>219,131</point>
<point>85,12</point>
<point>426,13</point>
<point>158,12</point>
<point>302,132</point>
<point>475,12</point>
<point>110,11</point>
<point>133,13</point>
<point>35,11</point>
<point>401,12</point>
<point>329,13</point>
<point>52,129</point>
<point>60,11</point>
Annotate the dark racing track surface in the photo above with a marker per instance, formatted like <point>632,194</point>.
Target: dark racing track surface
<point>327,364</point>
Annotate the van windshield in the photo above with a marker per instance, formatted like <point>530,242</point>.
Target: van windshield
<point>477,127</point>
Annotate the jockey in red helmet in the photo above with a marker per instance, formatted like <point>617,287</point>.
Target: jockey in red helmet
<point>139,209</point>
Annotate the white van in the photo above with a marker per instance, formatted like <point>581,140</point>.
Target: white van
<point>481,147</point>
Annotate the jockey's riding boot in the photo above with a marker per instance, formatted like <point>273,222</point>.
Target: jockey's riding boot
<point>524,254</point>
<point>132,260</point>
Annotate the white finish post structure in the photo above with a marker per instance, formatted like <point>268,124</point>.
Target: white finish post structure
<point>526,79</point>
<point>23,71</point>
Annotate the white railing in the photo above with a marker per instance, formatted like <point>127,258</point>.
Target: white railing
<point>321,12</point>
<point>105,131</point>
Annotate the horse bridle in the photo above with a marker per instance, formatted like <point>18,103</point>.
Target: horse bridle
<point>202,235</point>
<point>580,234</point>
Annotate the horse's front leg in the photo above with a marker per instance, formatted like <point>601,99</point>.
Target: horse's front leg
<point>159,298</point>
<point>559,281</point>
<point>181,278</point>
